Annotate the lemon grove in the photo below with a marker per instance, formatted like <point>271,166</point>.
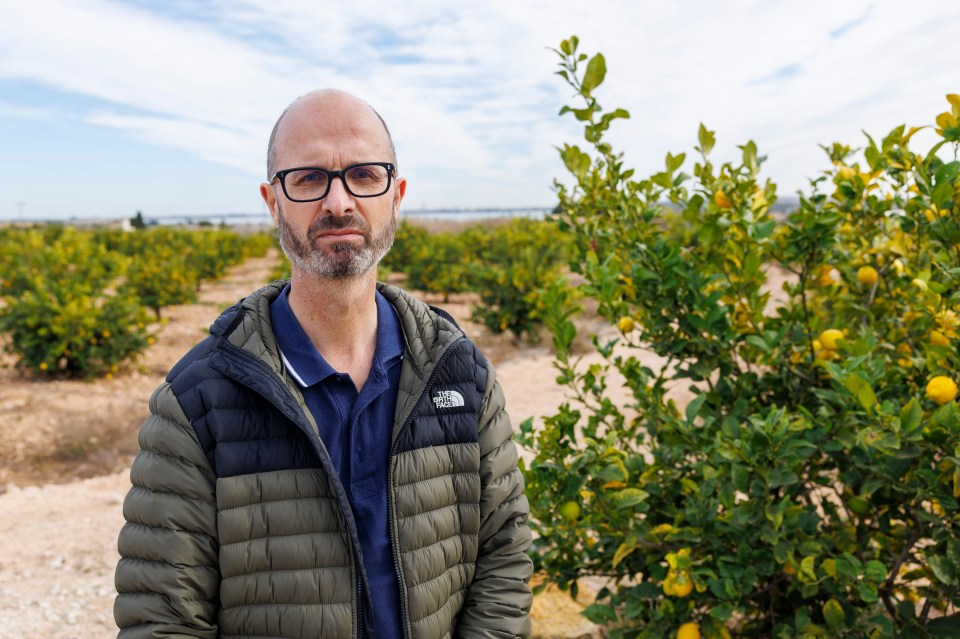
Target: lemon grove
<point>810,488</point>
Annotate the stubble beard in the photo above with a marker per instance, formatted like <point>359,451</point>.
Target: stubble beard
<point>340,260</point>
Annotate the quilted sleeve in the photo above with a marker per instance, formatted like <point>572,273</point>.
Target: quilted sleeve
<point>498,601</point>
<point>168,578</point>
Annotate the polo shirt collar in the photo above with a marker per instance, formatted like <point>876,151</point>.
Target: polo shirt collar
<point>302,359</point>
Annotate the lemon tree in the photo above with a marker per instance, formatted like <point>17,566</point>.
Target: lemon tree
<point>810,486</point>
<point>61,310</point>
<point>73,301</point>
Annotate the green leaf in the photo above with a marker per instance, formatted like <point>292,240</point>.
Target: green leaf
<point>942,193</point>
<point>861,389</point>
<point>630,497</point>
<point>627,547</point>
<point>875,571</point>
<point>596,71</point>
<point>675,162</point>
<point>758,342</point>
<point>948,172</point>
<point>911,417</point>
<point>722,611</point>
<point>868,592</point>
<point>707,139</point>
<point>694,407</point>
<point>829,566</point>
<point>833,614</point>
<point>782,477</point>
<point>576,161</point>
<point>944,627</point>
<point>600,614</point>
<point>944,569</point>
<point>807,572</point>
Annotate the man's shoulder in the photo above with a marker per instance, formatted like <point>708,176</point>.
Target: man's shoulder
<point>230,321</point>
<point>432,326</point>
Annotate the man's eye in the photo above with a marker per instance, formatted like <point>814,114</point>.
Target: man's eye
<point>313,176</point>
<point>306,179</point>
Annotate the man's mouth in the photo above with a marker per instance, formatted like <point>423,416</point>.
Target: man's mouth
<point>340,233</point>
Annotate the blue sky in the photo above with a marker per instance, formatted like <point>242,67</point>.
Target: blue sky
<point>110,107</point>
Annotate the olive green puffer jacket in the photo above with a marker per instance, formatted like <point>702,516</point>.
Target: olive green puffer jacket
<point>271,550</point>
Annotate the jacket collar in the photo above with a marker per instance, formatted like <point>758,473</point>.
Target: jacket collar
<point>247,326</point>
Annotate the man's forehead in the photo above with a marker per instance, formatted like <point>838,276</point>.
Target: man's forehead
<point>331,112</point>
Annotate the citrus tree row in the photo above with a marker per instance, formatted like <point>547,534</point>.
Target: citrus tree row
<point>76,302</point>
<point>504,264</point>
<point>810,487</point>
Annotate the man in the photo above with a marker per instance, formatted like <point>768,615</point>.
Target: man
<point>335,459</point>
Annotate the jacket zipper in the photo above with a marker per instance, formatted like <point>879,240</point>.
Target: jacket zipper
<point>391,501</point>
<point>230,352</point>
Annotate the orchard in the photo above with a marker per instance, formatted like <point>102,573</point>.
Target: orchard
<point>810,487</point>
<point>74,303</point>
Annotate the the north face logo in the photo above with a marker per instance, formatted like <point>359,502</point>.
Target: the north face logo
<point>447,399</point>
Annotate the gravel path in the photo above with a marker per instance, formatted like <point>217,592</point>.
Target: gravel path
<point>58,550</point>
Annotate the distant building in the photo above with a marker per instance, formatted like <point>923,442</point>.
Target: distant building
<point>88,224</point>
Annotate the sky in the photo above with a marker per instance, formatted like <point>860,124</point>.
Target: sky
<point>165,106</point>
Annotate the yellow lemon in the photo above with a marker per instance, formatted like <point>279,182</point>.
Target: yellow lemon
<point>941,389</point>
<point>670,585</point>
<point>867,275</point>
<point>823,275</point>
<point>570,510</point>
<point>689,630</point>
<point>721,199</point>
<point>829,337</point>
<point>684,585</point>
<point>905,353</point>
<point>625,324</point>
<point>898,266</point>
<point>939,339</point>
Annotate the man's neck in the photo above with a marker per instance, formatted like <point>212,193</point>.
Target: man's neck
<point>340,318</point>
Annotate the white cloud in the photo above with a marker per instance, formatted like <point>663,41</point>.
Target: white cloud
<point>468,87</point>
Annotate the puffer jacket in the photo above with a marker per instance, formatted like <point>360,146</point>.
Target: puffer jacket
<point>238,526</point>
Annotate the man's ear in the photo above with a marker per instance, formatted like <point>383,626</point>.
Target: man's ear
<point>401,190</point>
<point>269,195</point>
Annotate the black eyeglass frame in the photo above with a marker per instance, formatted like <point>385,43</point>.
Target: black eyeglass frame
<point>281,175</point>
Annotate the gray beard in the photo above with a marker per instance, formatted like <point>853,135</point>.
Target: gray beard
<point>341,259</point>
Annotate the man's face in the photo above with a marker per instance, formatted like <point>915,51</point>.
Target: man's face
<point>340,236</point>
<point>335,259</point>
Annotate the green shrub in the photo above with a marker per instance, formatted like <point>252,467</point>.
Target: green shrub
<point>58,309</point>
<point>810,486</point>
<point>513,263</point>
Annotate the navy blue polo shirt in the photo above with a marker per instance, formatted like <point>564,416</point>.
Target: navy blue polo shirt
<point>356,429</point>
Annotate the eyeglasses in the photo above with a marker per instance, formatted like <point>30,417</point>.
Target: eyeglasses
<point>310,183</point>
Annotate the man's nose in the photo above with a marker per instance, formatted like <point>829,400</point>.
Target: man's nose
<point>338,199</point>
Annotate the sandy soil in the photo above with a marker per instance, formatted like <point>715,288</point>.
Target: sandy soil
<point>65,447</point>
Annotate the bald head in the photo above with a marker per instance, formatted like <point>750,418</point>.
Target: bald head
<point>320,104</point>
